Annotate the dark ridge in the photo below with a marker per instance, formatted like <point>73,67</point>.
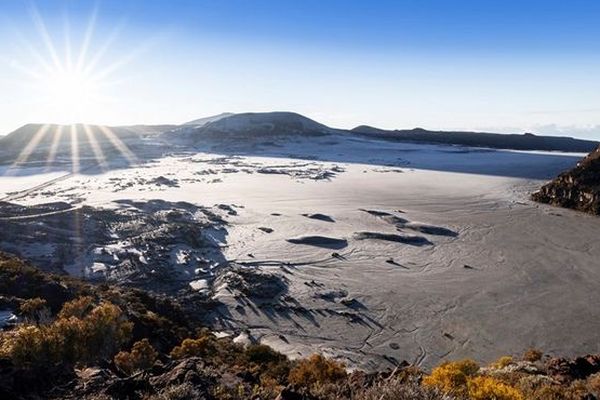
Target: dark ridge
<point>527,141</point>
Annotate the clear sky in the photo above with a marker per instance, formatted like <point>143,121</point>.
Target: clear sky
<point>494,65</point>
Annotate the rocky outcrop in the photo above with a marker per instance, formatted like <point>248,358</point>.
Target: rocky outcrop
<point>566,370</point>
<point>578,188</point>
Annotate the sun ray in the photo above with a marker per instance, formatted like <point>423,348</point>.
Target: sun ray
<point>119,145</point>
<point>90,66</point>
<point>67,39</point>
<point>102,74</point>
<point>26,71</point>
<point>31,146</point>
<point>96,149</point>
<point>23,43</point>
<point>54,146</point>
<point>41,27</point>
<point>87,38</point>
<point>74,149</point>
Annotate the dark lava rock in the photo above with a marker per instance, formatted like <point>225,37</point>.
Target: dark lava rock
<point>162,181</point>
<point>252,283</point>
<point>565,370</point>
<point>320,217</point>
<point>578,188</point>
<point>320,241</point>
<point>389,237</point>
<point>191,370</point>
<point>16,383</point>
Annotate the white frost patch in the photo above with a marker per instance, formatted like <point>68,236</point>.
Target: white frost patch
<point>7,317</point>
<point>199,284</point>
<point>98,268</point>
<point>244,339</point>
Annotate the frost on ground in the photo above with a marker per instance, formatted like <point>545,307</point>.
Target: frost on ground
<point>154,244</point>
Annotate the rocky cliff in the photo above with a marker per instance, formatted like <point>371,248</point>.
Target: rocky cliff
<point>578,188</point>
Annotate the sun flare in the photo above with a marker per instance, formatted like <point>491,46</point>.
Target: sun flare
<point>70,94</point>
<point>67,70</point>
<point>70,76</point>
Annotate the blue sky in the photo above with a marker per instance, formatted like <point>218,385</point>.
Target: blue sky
<point>507,66</point>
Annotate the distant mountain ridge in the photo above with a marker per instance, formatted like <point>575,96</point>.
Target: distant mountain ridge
<point>229,127</point>
<point>578,188</point>
<point>526,141</point>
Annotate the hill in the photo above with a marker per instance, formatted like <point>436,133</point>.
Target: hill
<point>578,188</point>
<point>525,141</point>
<point>203,121</point>
<point>248,126</point>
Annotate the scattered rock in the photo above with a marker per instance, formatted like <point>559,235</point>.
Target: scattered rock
<point>320,217</point>
<point>390,237</point>
<point>162,181</point>
<point>320,241</point>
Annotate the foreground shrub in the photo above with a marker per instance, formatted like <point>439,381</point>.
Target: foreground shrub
<point>487,388</point>
<point>532,355</point>
<point>452,377</point>
<point>262,354</point>
<point>203,346</point>
<point>316,370</point>
<point>69,339</point>
<point>397,390</point>
<point>183,391</point>
<point>272,366</point>
<point>35,310</point>
<point>593,384</point>
<point>77,308</point>
<point>502,362</point>
<point>141,357</point>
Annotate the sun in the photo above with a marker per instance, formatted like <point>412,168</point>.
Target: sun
<point>71,94</point>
